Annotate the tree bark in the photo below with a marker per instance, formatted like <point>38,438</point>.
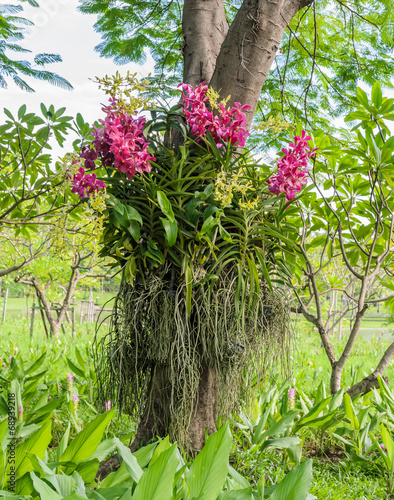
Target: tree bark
<point>53,324</point>
<point>158,413</point>
<point>206,409</point>
<point>365,385</point>
<point>204,28</point>
<point>155,413</point>
<point>249,49</point>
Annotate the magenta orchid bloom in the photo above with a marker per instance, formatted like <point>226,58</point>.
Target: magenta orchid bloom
<point>292,171</point>
<point>118,143</point>
<point>228,126</point>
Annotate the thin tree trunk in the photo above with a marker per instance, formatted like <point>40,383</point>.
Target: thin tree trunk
<point>338,367</point>
<point>47,309</point>
<point>368,383</point>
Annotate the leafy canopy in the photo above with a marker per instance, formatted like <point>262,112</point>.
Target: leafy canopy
<point>326,51</point>
<point>12,32</point>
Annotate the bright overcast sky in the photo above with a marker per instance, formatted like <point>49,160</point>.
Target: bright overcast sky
<point>61,29</point>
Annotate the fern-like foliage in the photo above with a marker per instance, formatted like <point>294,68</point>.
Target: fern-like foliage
<point>12,29</point>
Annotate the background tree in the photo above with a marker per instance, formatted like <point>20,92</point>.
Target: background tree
<point>352,211</point>
<point>34,189</point>
<point>69,259</point>
<point>12,32</point>
<point>17,252</point>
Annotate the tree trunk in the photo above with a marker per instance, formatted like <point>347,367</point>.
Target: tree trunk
<point>158,414</point>
<point>204,28</point>
<point>155,414</point>
<point>206,409</point>
<point>338,366</point>
<point>366,385</point>
<point>236,63</point>
<point>54,326</point>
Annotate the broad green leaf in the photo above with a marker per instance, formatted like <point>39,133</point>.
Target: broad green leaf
<point>86,442</point>
<point>36,445</point>
<point>208,224</point>
<point>165,206</point>
<point>63,443</point>
<point>144,454</point>
<point>376,94</point>
<point>314,412</point>
<point>132,214</point>
<point>45,491</point>
<point>157,481</point>
<point>129,459</point>
<point>244,494</point>
<point>388,443</point>
<point>210,468</point>
<point>162,446</point>
<point>75,496</point>
<point>171,230</point>
<point>350,413</point>
<point>36,364</point>
<point>63,484</point>
<point>86,469</point>
<point>104,449</point>
<point>336,400</point>
<point>296,484</point>
<point>284,442</point>
<point>281,425</point>
<point>76,369</point>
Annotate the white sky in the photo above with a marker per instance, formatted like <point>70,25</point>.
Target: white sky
<point>61,29</point>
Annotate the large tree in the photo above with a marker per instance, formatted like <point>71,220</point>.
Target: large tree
<point>296,58</point>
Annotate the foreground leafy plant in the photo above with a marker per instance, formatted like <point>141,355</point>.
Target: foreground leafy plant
<point>72,475</point>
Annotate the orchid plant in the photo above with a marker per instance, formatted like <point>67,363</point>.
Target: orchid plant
<point>196,230</point>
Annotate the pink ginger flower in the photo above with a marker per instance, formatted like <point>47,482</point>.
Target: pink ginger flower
<point>75,401</point>
<point>228,126</point>
<point>292,171</point>
<point>70,381</point>
<point>108,405</point>
<point>291,398</point>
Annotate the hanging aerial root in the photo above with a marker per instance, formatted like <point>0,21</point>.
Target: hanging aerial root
<point>154,344</point>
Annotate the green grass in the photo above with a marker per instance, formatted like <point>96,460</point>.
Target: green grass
<point>310,360</point>
<point>15,332</point>
<point>341,481</point>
